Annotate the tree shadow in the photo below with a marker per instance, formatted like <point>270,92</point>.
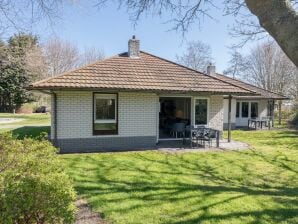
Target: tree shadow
<point>132,182</point>
<point>30,131</point>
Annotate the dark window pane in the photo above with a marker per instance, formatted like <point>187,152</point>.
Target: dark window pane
<point>254,110</point>
<point>201,110</point>
<point>107,126</point>
<point>244,110</point>
<point>237,109</point>
<point>105,109</point>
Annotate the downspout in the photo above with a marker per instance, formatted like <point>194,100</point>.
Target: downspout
<point>54,95</point>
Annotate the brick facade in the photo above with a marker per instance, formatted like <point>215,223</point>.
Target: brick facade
<point>137,121</point>
<point>216,112</point>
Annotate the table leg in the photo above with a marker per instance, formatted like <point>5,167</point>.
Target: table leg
<point>261,124</point>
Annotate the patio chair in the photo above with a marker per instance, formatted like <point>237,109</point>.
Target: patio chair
<point>200,134</point>
<point>212,135</point>
<point>178,130</point>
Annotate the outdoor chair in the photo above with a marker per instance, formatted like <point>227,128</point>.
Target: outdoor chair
<point>178,130</point>
<point>200,135</point>
<point>212,135</point>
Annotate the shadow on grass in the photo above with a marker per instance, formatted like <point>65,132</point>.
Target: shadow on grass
<point>139,182</point>
<point>30,131</point>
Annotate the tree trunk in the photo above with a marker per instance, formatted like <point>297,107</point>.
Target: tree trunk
<point>280,20</point>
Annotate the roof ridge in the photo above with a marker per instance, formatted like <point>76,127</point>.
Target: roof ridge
<point>251,85</point>
<point>201,73</point>
<point>73,70</point>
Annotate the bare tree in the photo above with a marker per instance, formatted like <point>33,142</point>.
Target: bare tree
<point>21,15</point>
<point>236,65</point>
<point>197,56</point>
<point>60,56</point>
<point>35,63</point>
<point>266,66</point>
<point>278,17</point>
<point>91,55</point>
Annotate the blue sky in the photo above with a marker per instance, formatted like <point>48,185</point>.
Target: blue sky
<point>109,29</point>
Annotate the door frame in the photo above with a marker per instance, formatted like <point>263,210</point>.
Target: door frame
<point>158,110</point>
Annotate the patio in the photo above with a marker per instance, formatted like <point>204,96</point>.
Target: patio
<point>173,146</point>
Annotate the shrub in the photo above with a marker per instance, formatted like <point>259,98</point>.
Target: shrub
<point>33,185</point>
<point>294,119</point>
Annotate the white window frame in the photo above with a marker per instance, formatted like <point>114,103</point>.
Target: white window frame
<point>105,96</point>
<point>194,110</point>
<point>249,108</point>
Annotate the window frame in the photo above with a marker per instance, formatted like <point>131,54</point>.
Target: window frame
<point>107,121</point>
<point>194,110</point>
<point>238,107</point>
<point>251,109</point>
<point>248,109</point>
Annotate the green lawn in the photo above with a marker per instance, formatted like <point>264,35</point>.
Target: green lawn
<point>31,124</point>
<point>252,186</point>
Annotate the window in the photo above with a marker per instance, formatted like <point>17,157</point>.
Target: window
<point>105,114</point>
<point>237,109</point>
<point>201,111</point>
<point>254,110</point>
<point>244,109</point>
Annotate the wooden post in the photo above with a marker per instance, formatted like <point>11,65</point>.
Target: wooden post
<point>279,112</point>
<point>272,112</point>
<point>217,139</point>
<point>229,118</point>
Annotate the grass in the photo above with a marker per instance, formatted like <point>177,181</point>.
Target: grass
<point>252,186</point>
<point>31,125</point>
<point>27,119</point>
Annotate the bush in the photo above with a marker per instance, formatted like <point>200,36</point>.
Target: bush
<point>294,119</point>
<point>33,186</point>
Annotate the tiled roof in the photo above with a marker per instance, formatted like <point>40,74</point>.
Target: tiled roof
<point>146,73</point>
<point>263,94</point>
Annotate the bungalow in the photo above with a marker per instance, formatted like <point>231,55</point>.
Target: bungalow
<point>132,100</point>
<point>246,107</point>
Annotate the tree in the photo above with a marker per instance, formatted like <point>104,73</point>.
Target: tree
<point>13,81</point>
<point>236,65</point>
<point>91,55</point>
<point>60,55</point>
<point>17,71</point>
<point>22,15</point>
<point>197,56</point>
<point>268,67</point>
<point>25,50</point>
<point>278,17</point>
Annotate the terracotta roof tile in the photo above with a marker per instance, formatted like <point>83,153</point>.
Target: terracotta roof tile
<point>148,72</point>
<point>262,93</point>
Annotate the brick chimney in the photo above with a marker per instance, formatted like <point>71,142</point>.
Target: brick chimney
<point>211,69</point>
<point>134,47</point>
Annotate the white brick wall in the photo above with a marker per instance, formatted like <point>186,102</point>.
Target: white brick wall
<point>137,114</point>
<point>216,112</point>
<point>233,110</point>
<point>263,108</point>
